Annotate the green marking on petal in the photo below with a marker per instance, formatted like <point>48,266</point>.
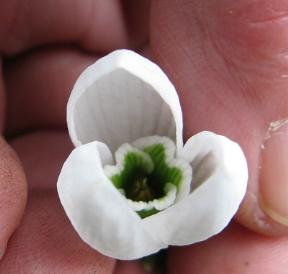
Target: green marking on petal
<point>162,172</point>
<point>146,213</point>
<point>148,176</point>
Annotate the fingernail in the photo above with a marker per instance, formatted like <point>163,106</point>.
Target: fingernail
<point>274,173</point>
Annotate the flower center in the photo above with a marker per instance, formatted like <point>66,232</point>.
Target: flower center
<point>148,175</point>
<point>141,190</point>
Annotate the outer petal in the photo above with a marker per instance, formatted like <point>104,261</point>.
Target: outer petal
<point>220,174</point>
<point>98,212</point>
<point>123,97</point>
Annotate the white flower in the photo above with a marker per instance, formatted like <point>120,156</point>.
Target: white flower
<point>120,99</point>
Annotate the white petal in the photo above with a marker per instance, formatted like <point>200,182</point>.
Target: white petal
<point>123,97</point>
<point>145,142</point>
<point>120,154</point>
<point>105,154</point>
<point>98,212</point>
<point>220,174</point>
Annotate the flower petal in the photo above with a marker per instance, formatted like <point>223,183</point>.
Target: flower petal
<point>98,212</point>
<point>123,97</point>
<point>220,180</point>
<point>183,165</point>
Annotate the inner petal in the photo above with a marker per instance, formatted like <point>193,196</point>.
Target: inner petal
<point>149,176</point>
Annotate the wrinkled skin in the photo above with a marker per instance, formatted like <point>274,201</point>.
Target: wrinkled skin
<point>226,59</point>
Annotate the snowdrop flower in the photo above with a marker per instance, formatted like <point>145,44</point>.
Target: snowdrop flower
<point>130,187</point>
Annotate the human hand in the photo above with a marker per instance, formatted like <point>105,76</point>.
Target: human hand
<point>193,43</point>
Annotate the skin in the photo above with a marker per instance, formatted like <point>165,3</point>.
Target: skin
<point>208,53</point>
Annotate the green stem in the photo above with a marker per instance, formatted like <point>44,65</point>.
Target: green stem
<point>155,263</point>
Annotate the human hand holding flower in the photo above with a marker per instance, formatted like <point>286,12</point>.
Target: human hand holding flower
<point>52,244</point>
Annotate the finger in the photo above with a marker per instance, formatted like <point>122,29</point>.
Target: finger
<point>236,251</point>
<point>228,63</point>
<point>47,243</point>
<point>38,87</point>
<point>13,193</point>
<point>94,25</point>
<point>43,154</point>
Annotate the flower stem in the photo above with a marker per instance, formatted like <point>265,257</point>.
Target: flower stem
<point>155,263</point>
